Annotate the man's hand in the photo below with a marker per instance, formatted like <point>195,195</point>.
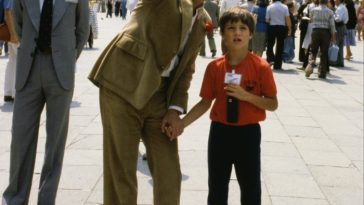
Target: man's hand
<point>172,125</point>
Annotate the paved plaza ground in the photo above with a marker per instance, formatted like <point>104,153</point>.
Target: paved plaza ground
<point>312,146</point>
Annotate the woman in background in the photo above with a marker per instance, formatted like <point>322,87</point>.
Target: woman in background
<point>349,39</point>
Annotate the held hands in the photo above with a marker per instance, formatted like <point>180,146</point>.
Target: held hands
<point>172,125</point>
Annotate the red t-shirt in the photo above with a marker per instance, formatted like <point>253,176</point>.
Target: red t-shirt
<point>257,78</point>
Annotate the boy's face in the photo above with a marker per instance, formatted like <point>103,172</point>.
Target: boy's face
<point>236,35</point>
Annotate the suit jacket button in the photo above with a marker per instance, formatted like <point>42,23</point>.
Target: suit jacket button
<point>35,39</point>
<point>32,54</point>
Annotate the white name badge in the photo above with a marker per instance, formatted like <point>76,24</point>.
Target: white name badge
<point>72,1</point>
<point>232,78</point>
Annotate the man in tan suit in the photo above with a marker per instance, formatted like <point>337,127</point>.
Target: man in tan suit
<point>144,75</point>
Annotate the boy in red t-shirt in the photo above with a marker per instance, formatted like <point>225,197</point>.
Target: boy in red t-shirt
<point>235,142</point>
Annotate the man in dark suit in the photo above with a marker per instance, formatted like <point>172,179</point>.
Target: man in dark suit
<point>144,75</point>
<point>52,34</point>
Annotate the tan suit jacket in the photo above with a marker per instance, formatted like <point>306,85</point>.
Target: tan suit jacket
<point>132,63</point>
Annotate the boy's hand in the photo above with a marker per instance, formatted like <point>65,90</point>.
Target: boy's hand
<point>237,92</point>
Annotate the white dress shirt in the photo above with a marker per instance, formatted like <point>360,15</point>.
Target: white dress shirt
<point>276,14</point>
<point>41,4</point>
<point>175,59</point>
<point>226,4</point>
<point>341,14</point>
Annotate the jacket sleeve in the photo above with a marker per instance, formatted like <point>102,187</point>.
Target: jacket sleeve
<point>82,25</point>
<point>180,94</point>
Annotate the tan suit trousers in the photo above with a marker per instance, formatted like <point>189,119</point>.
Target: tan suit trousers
<point>123,127</point>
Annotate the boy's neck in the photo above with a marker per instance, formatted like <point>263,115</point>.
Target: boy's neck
<point>235,57</point>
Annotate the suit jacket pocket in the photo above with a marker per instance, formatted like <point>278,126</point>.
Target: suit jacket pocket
<point>132,46</point>
<point>125,64</point>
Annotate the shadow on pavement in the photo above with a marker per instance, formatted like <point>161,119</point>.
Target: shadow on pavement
<point>7,107</point>
<point>75,104</point>
<point>286,71</point>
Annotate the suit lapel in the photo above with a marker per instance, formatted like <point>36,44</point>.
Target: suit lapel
<point>58,10</point>
<point>186,11</point>
<point>192,43</point>
<point>34,12</point>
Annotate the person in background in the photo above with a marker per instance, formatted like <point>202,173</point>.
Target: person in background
<point>117,8</point>
<point>213,10</point>
<point>109,8</point>
<point>123,9</point>
<point>279,27</point>
<point>323,33</point>
<point>259,39</point>
<point>6,13</point>
<point>341,19</point>
<point>235,143</point>
<point>289,46</point>
<point>94,31</point>
<point>360,19</point>
<point>52,35</point>
<point>249,5</point>
<point>303,28</point>
<point>349,39</point>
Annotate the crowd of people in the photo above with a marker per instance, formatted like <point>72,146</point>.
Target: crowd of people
<point>277,22</point>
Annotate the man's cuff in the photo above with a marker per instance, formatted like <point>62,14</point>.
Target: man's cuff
<point>175,107</point>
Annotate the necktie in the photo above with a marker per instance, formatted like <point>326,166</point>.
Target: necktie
<point>45,26</point>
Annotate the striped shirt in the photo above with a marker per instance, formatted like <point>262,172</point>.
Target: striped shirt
<point>323,17</point>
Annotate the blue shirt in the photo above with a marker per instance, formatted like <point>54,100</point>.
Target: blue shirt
<point>261,26</point>
<point>5,4</point>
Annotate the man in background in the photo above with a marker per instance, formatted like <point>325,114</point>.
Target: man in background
<point>52,35</point>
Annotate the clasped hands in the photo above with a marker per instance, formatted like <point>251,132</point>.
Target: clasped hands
<point>172,125</point>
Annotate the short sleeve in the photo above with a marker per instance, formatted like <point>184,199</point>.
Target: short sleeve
<point>286,11</point>
<point>8,4</point>
<point>267,13</point>
<point>269,88</point>
<point>207,87</point>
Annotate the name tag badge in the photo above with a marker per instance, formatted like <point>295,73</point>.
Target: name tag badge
<point>72,1</point>
<point>232,78</point>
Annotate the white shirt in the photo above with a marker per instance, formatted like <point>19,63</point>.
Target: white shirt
<point>341,14</point>
<point>248,6</point>
<point>276,14</point>
<point>175,59</point>
<point>226,4</point>
<point>41,4</point>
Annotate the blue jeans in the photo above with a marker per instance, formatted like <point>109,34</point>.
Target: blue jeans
<point>288,50</point>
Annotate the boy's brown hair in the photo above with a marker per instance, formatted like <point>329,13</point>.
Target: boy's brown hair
<point>236,14</point>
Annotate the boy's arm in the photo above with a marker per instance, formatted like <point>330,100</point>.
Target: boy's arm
<point>265,103</point>
<point>199,109</point>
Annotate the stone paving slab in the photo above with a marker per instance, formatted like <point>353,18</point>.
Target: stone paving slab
<point>312,146</point>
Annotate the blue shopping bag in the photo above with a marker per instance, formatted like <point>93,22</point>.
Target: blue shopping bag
<point>333,52</point>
